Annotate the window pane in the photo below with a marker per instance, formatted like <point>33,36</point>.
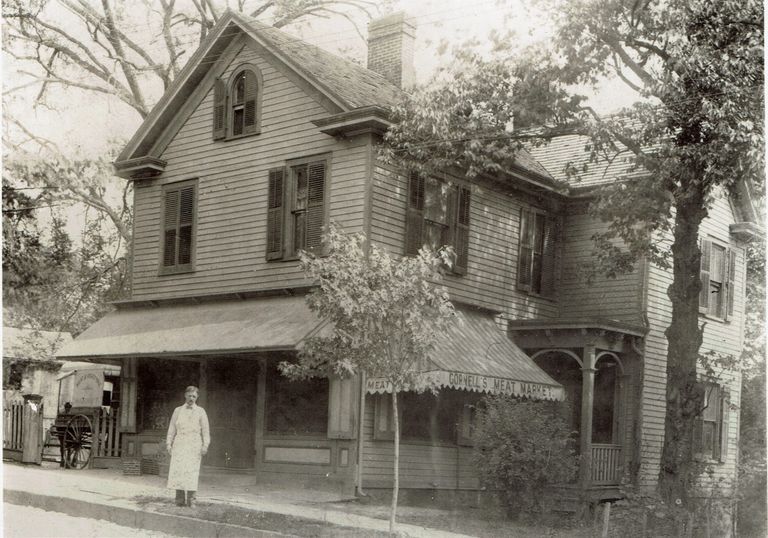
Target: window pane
<point>431,418</point>
<point>185,245</point>
<point>296,407</point>
<point>436,201</point>
<point>237,121</point>
<point>537,270</point>
<point>715,298</point>
<point>711,398</point>
<point>435,235</point>
<point>299,230</point>
<point>301,188</point>
<point>169,248</point>
<point>240,89</point>
<point>708,439</point>
<point>717,264</point>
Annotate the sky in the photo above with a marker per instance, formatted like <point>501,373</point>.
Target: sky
<point>89,124</point>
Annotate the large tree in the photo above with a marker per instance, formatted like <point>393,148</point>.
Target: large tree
<point>133,50</point>
<point>696,131</point>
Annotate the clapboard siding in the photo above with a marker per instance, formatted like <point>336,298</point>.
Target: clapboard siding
<point>232,191</point>
<point>493,245</point>
<point>614,298</point>
<point>722,337</point>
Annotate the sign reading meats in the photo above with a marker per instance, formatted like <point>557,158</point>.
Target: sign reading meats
<point>479,383</point>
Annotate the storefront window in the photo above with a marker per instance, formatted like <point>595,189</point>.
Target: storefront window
<point>429,417</point>
<point>296,407</point>
<point>161,389</point>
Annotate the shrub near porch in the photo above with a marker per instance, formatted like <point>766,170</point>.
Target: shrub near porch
<point>521,448</point>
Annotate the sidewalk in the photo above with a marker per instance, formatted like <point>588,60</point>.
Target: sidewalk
<point>143,502</point>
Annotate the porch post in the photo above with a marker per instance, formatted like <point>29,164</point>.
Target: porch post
<point>587,403</point>
<point>260,414</point>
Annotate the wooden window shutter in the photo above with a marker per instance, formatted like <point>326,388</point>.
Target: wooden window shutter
<point>731,257</point>
<point>342,408</point>
<point>219,110</point>
<point>275,204</point>
<point>186,225</point>
<point>383,425</point>
<point>461,231</point>
<point>414,218</point>
<point>250,106</point>
<point>725,416</point>
<point>170,227</point>
<point>548,257</point>
<point>315,205</point>
<point>525,256</point>
<point>128,376</point>
<point>706,251</point>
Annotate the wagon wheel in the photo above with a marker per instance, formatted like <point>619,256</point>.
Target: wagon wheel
<point>78,440</point>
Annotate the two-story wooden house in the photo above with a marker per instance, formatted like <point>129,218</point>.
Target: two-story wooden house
<point>260,142</point>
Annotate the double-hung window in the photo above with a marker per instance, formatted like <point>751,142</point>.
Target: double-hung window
<point>237,103</point>
<point>711,426</point>
<point>718,271</point>
<point>178,233</point>
<point>438,216</point>
<point>296,208</point>
<point>536,256</point>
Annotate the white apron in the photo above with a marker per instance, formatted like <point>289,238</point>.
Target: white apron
<point>188,435</point>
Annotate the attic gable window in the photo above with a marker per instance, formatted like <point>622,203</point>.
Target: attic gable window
<point>536,255</point>
<point>178,227</point>
<point>718,273</point>
<point>296,207</point>
<point>438,215</point>
<point>237,104</point>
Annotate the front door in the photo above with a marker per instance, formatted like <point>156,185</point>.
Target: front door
<point>231,404</point>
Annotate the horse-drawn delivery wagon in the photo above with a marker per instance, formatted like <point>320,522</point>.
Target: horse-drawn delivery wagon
<point>85,425</point>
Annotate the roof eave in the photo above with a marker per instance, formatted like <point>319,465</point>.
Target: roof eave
<point>746,231</point>
<point>372,119</point>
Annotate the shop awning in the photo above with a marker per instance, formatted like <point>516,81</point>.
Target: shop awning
<point>478,356</point>
<point>262,324</point>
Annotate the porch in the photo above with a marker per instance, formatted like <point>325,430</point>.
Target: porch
<point>598,363</point>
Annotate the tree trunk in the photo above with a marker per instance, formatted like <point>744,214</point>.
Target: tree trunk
<point>684,338</point>
<point>396,484</point>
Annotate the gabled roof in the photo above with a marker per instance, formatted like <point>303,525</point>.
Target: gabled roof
<point>32,344</point>
<point>343,83</point>
<point>347,85</point>
<point>572,151</point>
<point>355,86</point>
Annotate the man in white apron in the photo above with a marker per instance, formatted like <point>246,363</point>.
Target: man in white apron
<point>187,441</point>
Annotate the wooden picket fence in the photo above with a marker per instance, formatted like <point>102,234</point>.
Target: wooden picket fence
<point>106,435</point>
<point>13,422</point>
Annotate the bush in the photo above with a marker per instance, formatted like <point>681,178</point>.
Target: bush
<point>522,448</point>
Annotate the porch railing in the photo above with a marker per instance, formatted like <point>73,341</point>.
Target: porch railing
<point>606,464</point>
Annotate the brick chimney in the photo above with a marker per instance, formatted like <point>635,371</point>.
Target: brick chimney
<point>390,49</point>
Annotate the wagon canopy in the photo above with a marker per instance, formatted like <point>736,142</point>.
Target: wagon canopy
<point>478,356</point>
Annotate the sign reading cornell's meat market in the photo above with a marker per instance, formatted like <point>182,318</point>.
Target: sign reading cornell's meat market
<point>479,383</point>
